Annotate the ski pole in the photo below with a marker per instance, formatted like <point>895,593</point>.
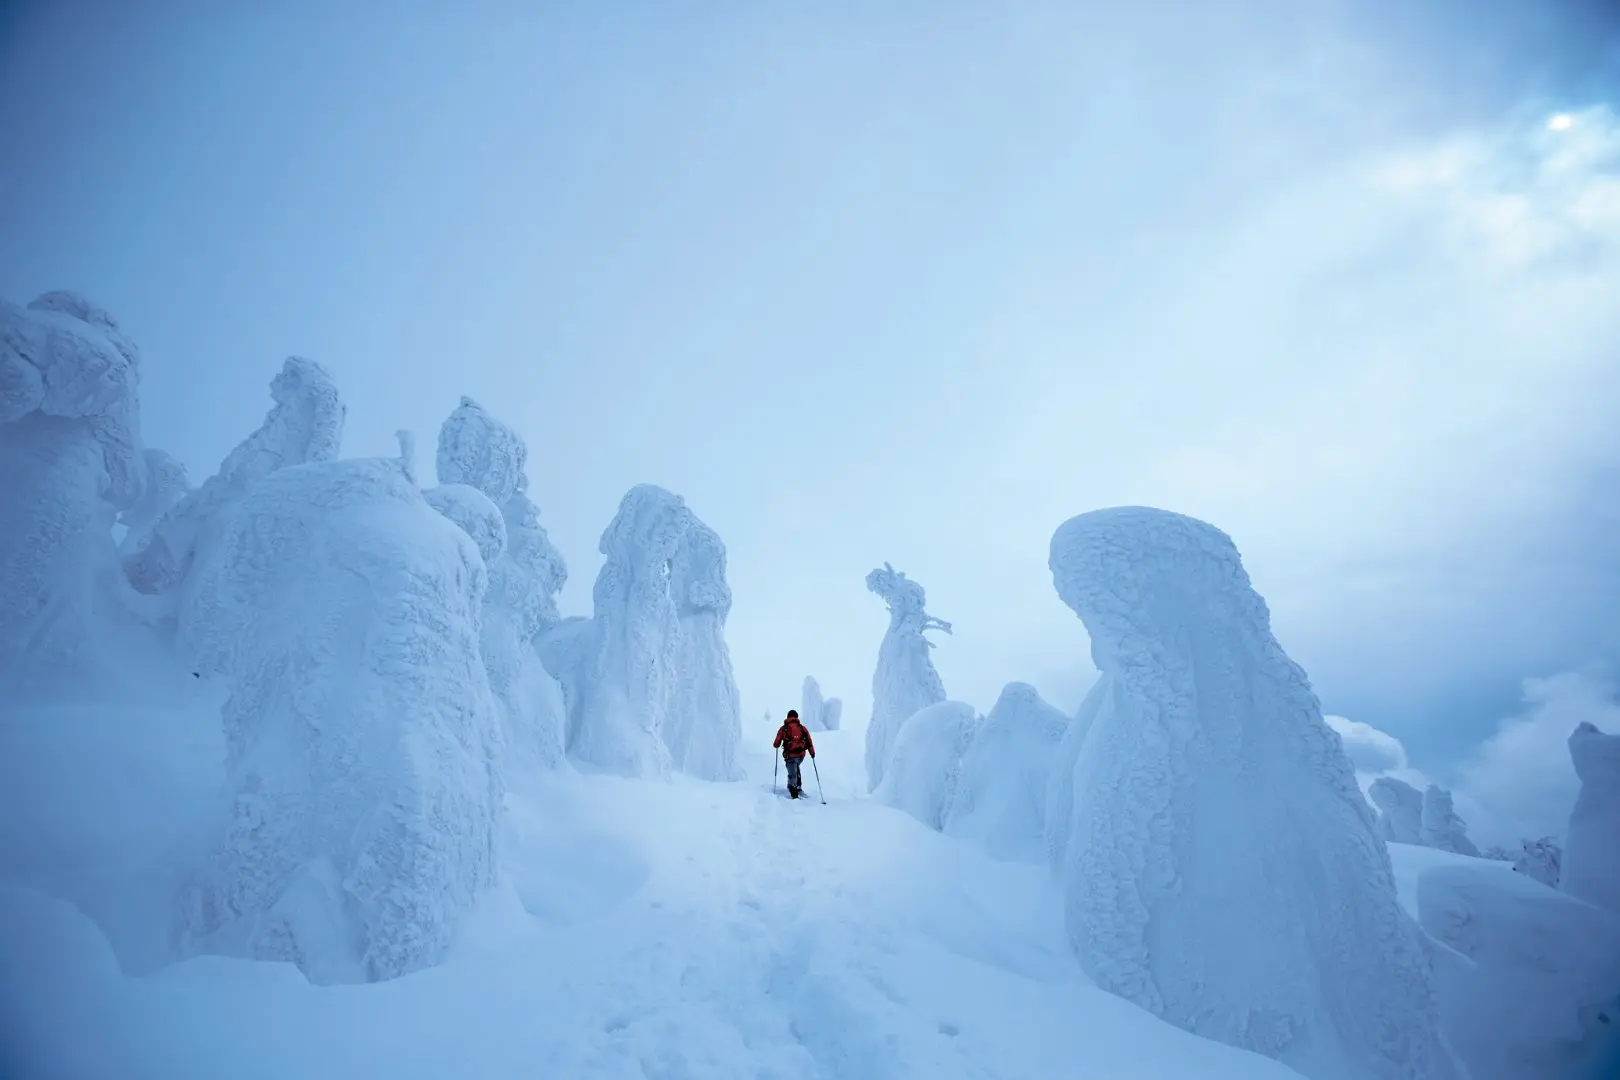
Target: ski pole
<point>816,767</point>
<point>776,762</point>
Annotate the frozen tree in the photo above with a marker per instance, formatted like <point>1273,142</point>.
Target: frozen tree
<point>70,460</point>
<point>1540,859</point>
<point>1529,985</point>
<point>1000,801</point>
<point>166,484</point>
<point>703,725</point>
<point>479,518</point>
<point>1400,810</point>
<point>363,746</point>
<point>478,453</point>
<point>905,679</point>
<point>817,713</point>
<point>304,425</point>
<point>1442,827</point>
<point>1060,783</point>
<point>624,685</point>
<point>1223,871</point>
<point>1591,863</point>
<point>568,650</point>
<point>926,760</point>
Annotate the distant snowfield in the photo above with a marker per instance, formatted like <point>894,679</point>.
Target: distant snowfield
<point>643,930</point>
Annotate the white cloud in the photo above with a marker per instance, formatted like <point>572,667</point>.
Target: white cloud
<point>1519,783</point>
<point>1374,753</point>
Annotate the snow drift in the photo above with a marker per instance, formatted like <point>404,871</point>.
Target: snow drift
<point>905,679</point>
<point>362,744</point>
<point>703,727</point>
<point>1000,798</point>
<point>926,759</point>
<point>1591,865</point>
<point>70,459</point>
<point>1223,870</point>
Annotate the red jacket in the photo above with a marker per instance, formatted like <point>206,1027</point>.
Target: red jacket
<point>794,739</point>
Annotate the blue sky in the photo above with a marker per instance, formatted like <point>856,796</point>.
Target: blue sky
<point>913,285</point>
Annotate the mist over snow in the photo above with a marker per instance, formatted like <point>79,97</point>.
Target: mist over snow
<point>434,449</point>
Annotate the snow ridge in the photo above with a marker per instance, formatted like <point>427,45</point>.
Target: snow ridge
<point>905,680</point>
<point>1223,870</point>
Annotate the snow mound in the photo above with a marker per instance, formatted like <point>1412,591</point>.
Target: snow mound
<point>1400,810</point>
<point>624,687</point>
<point>362,744</point>
<point>1060,781</point>
<point>817,713</point>
<point>70,459</point>
<point>1591,866</point>
<point>703,727</point>
<point>479,454</point>
<point>304,425</point>
<point>1000,801</point>
<point>1223,871</point>
<point>926,760</point>
<point>905,679</point>
<point>1537,993</point>
<point>1442,826</point>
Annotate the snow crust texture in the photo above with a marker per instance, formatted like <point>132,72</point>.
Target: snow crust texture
<point>905,680</point>
<point>1442,826</point>
<point>304,425</point>
<point>1400,810</point>
<point>703,726</point>
<point>1001,788</point>
<point>363,749</point>
<point>1591,865</point>
<point>925,765</point>
<point>481,465</point>
<point>1531,987</point>
<point>71,457</point>
<point>1222,866</point>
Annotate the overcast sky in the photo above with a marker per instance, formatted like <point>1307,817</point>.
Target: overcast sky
<point>913,285</point>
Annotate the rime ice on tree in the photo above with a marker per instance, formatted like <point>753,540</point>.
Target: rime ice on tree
<point>926,761</point>
<point>1000,797</point>
<point>1222,869</point>
<point>1400,810</point>
<point>905,680</point>
<point>1591,866</point>
<point>703,726</point>
<point>1442,827</point>
<point>363,744</point>
<point>70,460</point>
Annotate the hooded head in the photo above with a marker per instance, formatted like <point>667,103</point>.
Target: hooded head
<point>793,716</point>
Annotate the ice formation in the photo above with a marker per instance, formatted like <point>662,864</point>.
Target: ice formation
<point>166,484</point>
<point>1441,826</point>
<point>818,713</point>
<point>624,685</point>
<point>1541,860</point>
<point>702,727</point>
<point>362,742</point>
<point>1536,991</point>
<point>479,454</point>
<point>304,425</point>
<point>1000,798</point>
<point>1223,871</point>
<point>926,760</point>
<point>1400,810</point>
<point>905,679</point>
<point>1591,866</point>
<point>1060,782</point>
<point>70,459</point>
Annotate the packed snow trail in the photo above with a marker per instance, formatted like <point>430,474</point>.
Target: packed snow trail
<point>646,931</point>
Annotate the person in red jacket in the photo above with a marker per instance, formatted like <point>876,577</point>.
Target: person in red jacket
<point>793,738</point>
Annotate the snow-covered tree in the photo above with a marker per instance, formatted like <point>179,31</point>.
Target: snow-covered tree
<point>624,685</point>
<point>703,725</point>
<point>1591,863</point>
<point>1442,826</point>
<point>905,680</point>
<point>1540,859</point>
<point>478,452</point>
<point>363,745</point>
<point>304,425</point>
<point>166,484</point>
<point>926,761</point>
<point>818,713</point>
<point>1400,810</point>
<point>1060,784</point>
<point>70,459</point>
<point>1223,870</point>
<point>1000,801</point>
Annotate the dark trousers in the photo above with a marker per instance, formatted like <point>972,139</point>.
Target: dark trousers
<point>793,764</point>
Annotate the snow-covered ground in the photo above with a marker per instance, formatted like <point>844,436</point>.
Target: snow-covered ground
<point>644,930</point>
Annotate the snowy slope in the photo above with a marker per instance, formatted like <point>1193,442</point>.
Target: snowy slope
<point>680,930</point>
